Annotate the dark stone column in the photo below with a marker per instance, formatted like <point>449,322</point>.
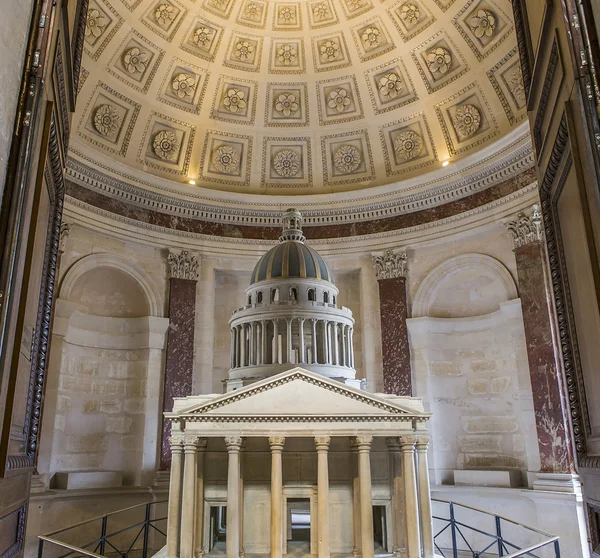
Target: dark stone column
<point>391,275</point>
<point>179,366</point>
<point>543,349</point>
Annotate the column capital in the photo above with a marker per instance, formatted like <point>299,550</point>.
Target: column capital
<point>65,230</point>
<point>421,442</point>
<point>190,443</point>
<point>183,265</point>
<point>176,443</point>
<point>322,442</point>
<point>390,264</point>
<point>363,442</point>
<point>233,443</point>
<point>526,229</point>
<point>393,443</point>
<point>407,443</point>
<point>276,443</point>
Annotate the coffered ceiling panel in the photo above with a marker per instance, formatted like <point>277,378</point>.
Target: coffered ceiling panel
<point>305,97</point>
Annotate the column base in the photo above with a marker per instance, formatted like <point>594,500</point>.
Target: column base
<point>356,552</point>
<point>199,554</point>
<point>557,482</point>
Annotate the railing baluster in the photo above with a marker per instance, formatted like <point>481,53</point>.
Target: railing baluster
<point>103,535</point>
<point>146,531</point>
<point>499,537</point>
<point>453,531</point>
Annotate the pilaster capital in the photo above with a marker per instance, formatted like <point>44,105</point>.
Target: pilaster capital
<point>276,443</point>
<point>363,442</point>
<point>65,230</point>
<point>407,443</point>
<point>390,264</point>
<point>233,443</point>
<point>422,442</point>
<point>526,229</point>
<point>183,265</point>
<point>322,442</point>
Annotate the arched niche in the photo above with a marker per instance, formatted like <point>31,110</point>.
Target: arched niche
<point>95,272</point>
<point>464,286</point>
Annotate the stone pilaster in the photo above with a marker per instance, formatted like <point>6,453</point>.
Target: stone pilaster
<point>179,366</point>
<point>535,291</point>
<point>391,268</point>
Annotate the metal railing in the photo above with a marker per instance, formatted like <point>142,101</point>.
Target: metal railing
<point>135,532</point>
<point>462,531</point>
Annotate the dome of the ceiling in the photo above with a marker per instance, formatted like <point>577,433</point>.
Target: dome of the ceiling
<point>303,97</point>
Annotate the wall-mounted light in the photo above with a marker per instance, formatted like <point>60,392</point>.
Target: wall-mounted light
<point>192,182</point>
<point>445,163</point>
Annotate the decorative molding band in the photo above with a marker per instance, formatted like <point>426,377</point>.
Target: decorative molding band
<point>366,208</point>
<point>527,190</point>
<point>559,165</point>
<point>17,546</point>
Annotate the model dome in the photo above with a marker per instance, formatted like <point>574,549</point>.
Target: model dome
<point>291,258</point>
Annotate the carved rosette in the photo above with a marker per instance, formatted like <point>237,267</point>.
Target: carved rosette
<point>526,229</point>
<point>183,265</point>
<point>391,264</point>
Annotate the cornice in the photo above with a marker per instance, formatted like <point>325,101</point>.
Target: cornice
<point>509,160</point>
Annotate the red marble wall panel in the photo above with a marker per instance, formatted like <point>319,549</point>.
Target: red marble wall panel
<point>179,366</point>
<point>549,401</point>
<point>394,336</point>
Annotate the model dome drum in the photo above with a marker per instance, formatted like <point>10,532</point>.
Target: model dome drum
<point>291,315</point>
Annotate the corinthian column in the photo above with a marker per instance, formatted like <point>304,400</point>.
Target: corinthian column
<point>276,443</point>
<point>189,497</point>
<point>232,544</point>
<point>424,496</point>
<point>390,268</point>
<point>322,444</point>
<point>411,509</point>
<point>179,363</point>
<point>366,500</point>
<point>174,517</point>
<point>543,349</point>
<point>199,534</point>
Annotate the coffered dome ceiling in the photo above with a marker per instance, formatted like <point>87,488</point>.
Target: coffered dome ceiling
<point>299,97</point>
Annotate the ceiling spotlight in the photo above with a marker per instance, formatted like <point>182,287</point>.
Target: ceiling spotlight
<point>192,182</point>
<point>445,163</point>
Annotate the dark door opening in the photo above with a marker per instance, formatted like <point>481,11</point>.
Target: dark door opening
<point>218,525</point>
<point>298,524</point>
<point>379,527</point>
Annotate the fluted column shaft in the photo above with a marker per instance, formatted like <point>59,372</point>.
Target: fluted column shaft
<point>199,522</point>
<point>243,345</point>
<point>276,443</point>
<point>232,545</point>
<point>344,355</point>
<point>322,444</point>
<point>424,496</point>
<point>252,355</point>
<point>275,341</point>
<point>302,350</point>
<point>189,498</point>
<point>289,341</point>
<point>326,340</point>
<point>397,503</point>
<point>337,342</point>
<point>263,352</point>
<point>174,517</point>
<point>411,509</point>
<point>315,353</point>
<point>366,500</point>
<point>356,550</point>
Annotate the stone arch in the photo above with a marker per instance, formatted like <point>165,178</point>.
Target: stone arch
<point>482,271</point>
<point>97,261</point>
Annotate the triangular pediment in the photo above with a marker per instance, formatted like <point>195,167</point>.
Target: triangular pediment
<point>298,392</point>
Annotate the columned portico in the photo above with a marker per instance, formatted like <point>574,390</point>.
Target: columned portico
<point>307,408</point>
